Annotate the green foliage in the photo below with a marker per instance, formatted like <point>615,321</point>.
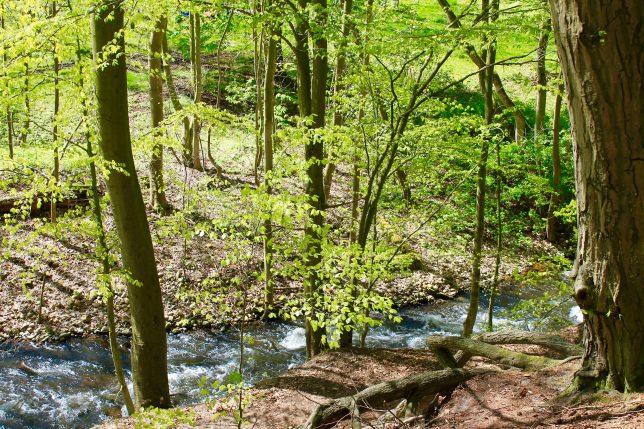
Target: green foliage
<point>163,418</point>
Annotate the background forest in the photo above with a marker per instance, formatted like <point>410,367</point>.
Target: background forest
<point>321,163</point>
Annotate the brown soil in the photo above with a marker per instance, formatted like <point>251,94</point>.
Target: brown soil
<point>506,399</point>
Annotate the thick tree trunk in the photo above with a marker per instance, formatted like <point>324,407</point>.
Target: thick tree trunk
<point>377,396</point>
<point>551,222</point>
<point>157,187</point>
<point>601,51</point>
<point>149,348</point>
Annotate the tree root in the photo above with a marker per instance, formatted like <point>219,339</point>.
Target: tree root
<point>374,397</point>
<point>443,347</point>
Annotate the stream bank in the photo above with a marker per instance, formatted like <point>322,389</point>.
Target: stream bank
<point>73,384</point>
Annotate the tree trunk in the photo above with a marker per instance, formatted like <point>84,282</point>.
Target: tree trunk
<point>102,249</point>
<point>269,114</point>
<point>600,51</point>
<point>340,72</point>
<point>552,342</point>
<point>56,171</point>
<point>499,239</point>
<point>475,278</point>
<point>551,227</point>
<point>377,396</point>
<point>440,344</point>
<point>542,81</point>
<point>197,85</point>
<point>8,110</point>
<point>258,44</point>
<point>149,348</point>
<point>27,119</point>
<point>519,118</point>
<point>157,187</point>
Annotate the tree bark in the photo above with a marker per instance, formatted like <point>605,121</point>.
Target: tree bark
<point>197,86</point>
<point>601,51</point>
<point>542,81</point>
<point>268,115</point>
<point>552,342</point>
<point>56,171</point>
<point>149,348</point>
<point>551,222</point>
<point>157,186</point>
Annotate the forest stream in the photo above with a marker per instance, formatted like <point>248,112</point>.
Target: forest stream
<point>71,384</point>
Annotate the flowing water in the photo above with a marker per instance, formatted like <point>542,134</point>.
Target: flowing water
<point>72,384</point>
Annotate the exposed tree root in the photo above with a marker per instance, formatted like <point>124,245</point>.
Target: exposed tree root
<point>443,347</point>
<point>414,387</point>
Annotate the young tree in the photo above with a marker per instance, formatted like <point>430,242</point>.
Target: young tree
<point>157,191</point>
<point>600,47</point>
<point>149,348</point>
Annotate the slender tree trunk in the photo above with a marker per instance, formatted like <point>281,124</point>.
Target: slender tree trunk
<point>8,110</point>
<point>519,119</point>
<point>600,51</point>
<point>542,80</point>
<point>499,240</point>
<point>24,132</point>
<point>56,171</point>
<point>197,82</point>
<point>269,114</point>
<point>10,131</point>
<point>149,347</point>
<point>258,56</point>
<point>551,228</point>
<point>158,199</point>
<point>475,279</point>
<point>312,102</point>
<point>340,72</point>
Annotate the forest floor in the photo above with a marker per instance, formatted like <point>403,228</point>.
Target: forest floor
<point>506,399</point>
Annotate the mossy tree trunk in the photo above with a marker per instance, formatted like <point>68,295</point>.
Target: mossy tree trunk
<point>157,187</point>
<point>601,51</point>
<point>149,347</point>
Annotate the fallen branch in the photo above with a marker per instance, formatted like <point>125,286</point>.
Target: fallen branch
<point>415,386</point>
<point>552,342</point>
<point>443,347</point>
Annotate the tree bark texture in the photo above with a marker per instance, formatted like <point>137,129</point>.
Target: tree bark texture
<point>601,51</point>
<point>149,348</point>
<point>157,187</point>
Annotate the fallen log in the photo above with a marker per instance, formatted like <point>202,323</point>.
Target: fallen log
<point>552,342</point>
<point>377,396</point>
<point>443,347</point>
<point>42,204</point>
